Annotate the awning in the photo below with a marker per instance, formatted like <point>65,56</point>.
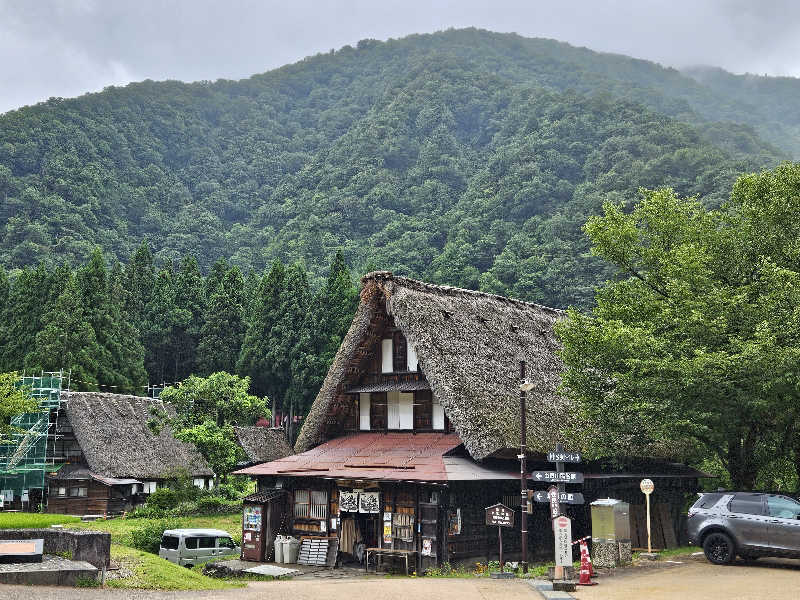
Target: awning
<point>264,496</point>
<point>390,386</point>
<point>372,456</point>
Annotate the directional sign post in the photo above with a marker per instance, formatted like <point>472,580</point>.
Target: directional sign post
<point>647,487</point>
<point>567,457</point>
<point>563,535</point>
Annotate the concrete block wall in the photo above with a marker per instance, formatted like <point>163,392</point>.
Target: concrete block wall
<point>93,547</point>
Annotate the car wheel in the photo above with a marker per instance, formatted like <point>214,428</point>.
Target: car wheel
<point>188,566</point>
<point>718,548</point>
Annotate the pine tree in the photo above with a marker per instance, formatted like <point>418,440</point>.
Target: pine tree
<point>29,298</point>
<point>130,350</point>
<point>254,359</point>
<point>223,329</point>
<point>140,280</point>
<point>189,304</point>
<point>120,358</point>
<point>67,340</point>
<point>287,351</point>
<point>160,317</point>
<point>5,291</point>
<point>337,303</point>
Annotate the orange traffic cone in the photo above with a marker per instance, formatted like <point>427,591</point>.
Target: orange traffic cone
<point>585,549</point>
<point>586,567</point>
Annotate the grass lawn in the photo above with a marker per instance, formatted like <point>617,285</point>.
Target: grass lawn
<point>120,529</point>
<point>16,520</point>
<point>154,573</point>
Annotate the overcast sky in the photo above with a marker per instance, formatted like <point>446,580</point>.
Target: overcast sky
<point>69,47</point>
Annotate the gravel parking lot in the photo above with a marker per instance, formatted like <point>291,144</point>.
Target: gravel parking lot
<point>681,578</point>
<point>694,578</point>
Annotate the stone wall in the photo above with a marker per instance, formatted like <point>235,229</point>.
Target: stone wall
<point>93,547</point>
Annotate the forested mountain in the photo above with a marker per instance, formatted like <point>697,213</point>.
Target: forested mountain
<point>463,157</point>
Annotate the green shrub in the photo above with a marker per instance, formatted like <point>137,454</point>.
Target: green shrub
<point>148,536</point>
<point>164,498</point>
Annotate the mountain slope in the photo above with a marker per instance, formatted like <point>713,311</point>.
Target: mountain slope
<point>463,157</point>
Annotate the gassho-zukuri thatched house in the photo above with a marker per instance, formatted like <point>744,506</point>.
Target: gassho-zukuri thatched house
<point>112,459</point>
<point>416,429</point>
<point>261,444</point>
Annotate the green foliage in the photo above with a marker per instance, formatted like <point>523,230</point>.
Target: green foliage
<point>692,350</point>
<point>14,400</point>
<point>206,410</point>
<point>463,157</point>
<point>147,536</point>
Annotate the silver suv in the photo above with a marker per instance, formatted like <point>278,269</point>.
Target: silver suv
<point>747,524</point>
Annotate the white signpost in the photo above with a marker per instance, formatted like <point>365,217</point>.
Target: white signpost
<point>647,488</point>
<point>562,528</point>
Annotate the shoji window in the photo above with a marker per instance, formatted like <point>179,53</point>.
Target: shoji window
<point>364,410</point>
<point>406,406</point>
<point>319,505</point>
<point>302,504</point>
<point>393,410</point>
<point>412,358</point>
<point>387,365</point>
<point>438,415</point>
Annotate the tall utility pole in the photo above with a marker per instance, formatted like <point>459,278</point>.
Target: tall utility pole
<point>523,475</point>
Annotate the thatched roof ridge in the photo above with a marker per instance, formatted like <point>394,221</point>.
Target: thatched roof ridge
<point>262,444</point>
<point>113,433</point>
<point>469,346</point>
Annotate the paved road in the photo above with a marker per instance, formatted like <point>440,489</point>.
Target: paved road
<point>337,589</point>
<point>686,578</point>
<point>694,578</point>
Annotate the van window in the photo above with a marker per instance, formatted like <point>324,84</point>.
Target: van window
<point>708,500</point>
<point>207,542</point>
<point>169,542</point>
<point>191,543</point>
<point>225,542</point>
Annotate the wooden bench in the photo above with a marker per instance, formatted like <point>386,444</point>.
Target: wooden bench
<point>378,552</point>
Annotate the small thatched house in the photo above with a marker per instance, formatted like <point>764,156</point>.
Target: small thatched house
<point>113,457</point>
<point>417,425</point>
<point>262,444</point>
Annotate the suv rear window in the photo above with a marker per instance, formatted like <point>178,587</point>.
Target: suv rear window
<point>707,500</point>
<point>748,504</point>
<point>169,542</point>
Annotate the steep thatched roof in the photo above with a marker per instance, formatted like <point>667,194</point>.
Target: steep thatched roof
<point>262,444</point>
<point>113,433</point>
<point>469,345</point>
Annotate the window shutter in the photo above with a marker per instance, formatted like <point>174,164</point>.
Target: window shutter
<point>393,401</point>
<point>412,358</point>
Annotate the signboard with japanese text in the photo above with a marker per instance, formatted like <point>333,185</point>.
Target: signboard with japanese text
<point>557,477</point>
<point>552,495</point>
<point>563,497</point>
<point>562,529</point>
<point>499,515</point>
<point>563,456</point>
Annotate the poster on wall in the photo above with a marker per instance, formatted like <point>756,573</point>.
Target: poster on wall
<point>387,533</point>
<point>348,501</point>
<point>369,502</point>
<point>427,547</point>
<point>252,518</point>
<point>454,521</point>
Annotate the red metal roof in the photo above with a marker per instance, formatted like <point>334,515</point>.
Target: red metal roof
<point>384,456</point>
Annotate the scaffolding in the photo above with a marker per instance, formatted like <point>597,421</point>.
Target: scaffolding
<point>29,455</point>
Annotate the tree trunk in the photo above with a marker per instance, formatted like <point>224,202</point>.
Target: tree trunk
<point>742,465</point>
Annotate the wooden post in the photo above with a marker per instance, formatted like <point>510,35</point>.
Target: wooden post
<point>523,476</point>
<point>649,546</point>
<point>559,571</point>
<point>500,538</point>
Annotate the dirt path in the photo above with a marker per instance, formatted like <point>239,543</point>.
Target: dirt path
<point>696,579</point>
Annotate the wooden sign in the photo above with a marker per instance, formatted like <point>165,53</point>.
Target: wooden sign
<point>499,515</point>
<point>552,495</point>
<point>563,534</point>
<point>557,477</point>
<point>563,497</point>
<point>563,456</point>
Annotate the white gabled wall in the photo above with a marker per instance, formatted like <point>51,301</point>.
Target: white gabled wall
<point>364,404</point>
